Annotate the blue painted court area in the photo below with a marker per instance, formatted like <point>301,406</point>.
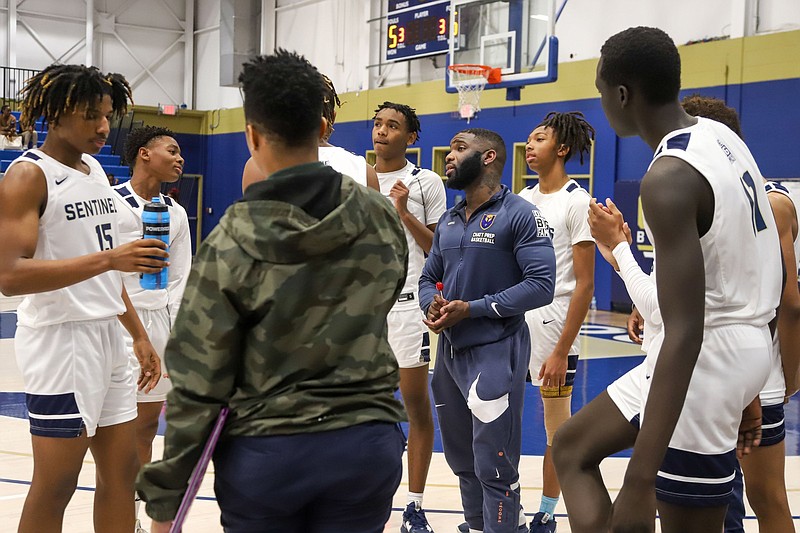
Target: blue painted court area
<point>592,378</point>
<point>8,325</point>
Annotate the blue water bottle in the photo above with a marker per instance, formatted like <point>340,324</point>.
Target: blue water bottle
<point>155,225</point>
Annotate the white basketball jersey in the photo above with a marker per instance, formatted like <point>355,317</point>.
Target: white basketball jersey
<point>130,207</point>
<point>567,214</point>
<point>345,162</point>
<point>427,202</point>
<point>741,252</point>
<point>80,218</point>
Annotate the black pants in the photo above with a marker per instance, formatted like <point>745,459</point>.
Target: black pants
<point>329,482</point>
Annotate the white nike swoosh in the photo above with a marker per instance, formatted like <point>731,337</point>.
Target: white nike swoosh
<point>439,405</point>
<point>486,411</point>
<point>494,308</point>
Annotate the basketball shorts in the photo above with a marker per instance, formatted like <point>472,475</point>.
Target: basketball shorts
<point>77,375</point>
<point>409,337</point>
<point>546,324</point>
<point>733,366</point>
<point>157,324</point>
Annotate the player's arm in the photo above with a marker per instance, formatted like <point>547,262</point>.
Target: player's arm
<point>23,193</point>
<point>676,199</point>
<point>423,235</point>
<point>372,178</point>
<point>149,361</point>
<point>789,314</point>
<point>554,369</point>
<point>432,273</point>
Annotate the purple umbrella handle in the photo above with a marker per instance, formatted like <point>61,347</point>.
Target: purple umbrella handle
<point>199,472</point>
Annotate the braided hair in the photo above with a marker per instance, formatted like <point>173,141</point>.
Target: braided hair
<point>330,102</point>
<point>572,130</point>
<point>61,89</point>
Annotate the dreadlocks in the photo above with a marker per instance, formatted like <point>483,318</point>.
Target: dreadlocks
<point>141,137</point>
<point>330,102</point>
<point>61,89</point>
<point>572,130</point>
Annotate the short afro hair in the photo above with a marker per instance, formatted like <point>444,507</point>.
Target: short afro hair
<point>141,137</point>
<point>646,59</point>
<point>283,95</point>
<point>713,108</point>
<point>412,121</point>
<point>493,140</point>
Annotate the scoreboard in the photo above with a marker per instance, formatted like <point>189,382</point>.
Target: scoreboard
<point>417,28</point>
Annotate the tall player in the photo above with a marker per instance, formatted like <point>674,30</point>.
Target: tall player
<point>155,158</point>
<point>61,249</point>
<point>340,159</point>
<point>554,328</point>
<point>764,466</point>
<point>708,216</point>
<point>419,198</point>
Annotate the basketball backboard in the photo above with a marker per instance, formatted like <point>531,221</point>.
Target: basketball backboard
<point>516,36</point>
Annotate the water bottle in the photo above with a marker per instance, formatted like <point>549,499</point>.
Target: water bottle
<point>155,225</point>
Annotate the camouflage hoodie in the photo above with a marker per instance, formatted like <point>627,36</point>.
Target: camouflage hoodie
<point>284,321</point>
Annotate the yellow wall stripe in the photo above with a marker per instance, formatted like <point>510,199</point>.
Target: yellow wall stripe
<point>731,61</point>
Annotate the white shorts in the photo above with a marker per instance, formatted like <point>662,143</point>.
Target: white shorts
<point>732,368</point>
<point>157,324</point>
<point>77,375</point>
<point>546,324</point>
<point>774,391</point>
<point>409,337</point>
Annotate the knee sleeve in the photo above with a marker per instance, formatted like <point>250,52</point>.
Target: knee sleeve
<point>556,412</point>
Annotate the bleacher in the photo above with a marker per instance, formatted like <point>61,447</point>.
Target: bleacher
<point>111,163</point>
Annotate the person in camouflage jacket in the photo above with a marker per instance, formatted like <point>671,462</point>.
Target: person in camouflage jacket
<point>284,321</point>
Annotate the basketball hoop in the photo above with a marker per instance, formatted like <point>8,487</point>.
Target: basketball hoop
<point>470,80</point>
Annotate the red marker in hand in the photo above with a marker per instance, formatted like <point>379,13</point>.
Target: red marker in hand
<point>440,288</point>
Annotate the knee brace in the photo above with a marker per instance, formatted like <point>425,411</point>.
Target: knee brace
<point>556,412</point>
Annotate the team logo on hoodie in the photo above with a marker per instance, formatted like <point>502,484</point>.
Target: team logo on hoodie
<point>487,221</point>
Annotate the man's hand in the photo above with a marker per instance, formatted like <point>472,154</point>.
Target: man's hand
<point>553,372</point>
<point>141,255</point>
<point>635,326</point>
<point>749,429</point>
<point>634,510</point>
<point>449,314</point>
<point>160,527</point>
<point>399,193</point>
<point>606,223</point>
<point>149,365</point>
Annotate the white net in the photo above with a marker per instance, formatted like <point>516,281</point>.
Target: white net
<point>470,82</point>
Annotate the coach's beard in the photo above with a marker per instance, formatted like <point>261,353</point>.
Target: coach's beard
<point>466,173</point>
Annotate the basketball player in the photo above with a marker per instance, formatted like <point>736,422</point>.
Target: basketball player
<point>418,195</point>
<point>342,160</point>
<point>61,248</point>
<point>765,465</point>
<point>284,321</point>
<point>155,158</point>
<point>554,328</point>
<point>707,219</point>
<point>494,256</point>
